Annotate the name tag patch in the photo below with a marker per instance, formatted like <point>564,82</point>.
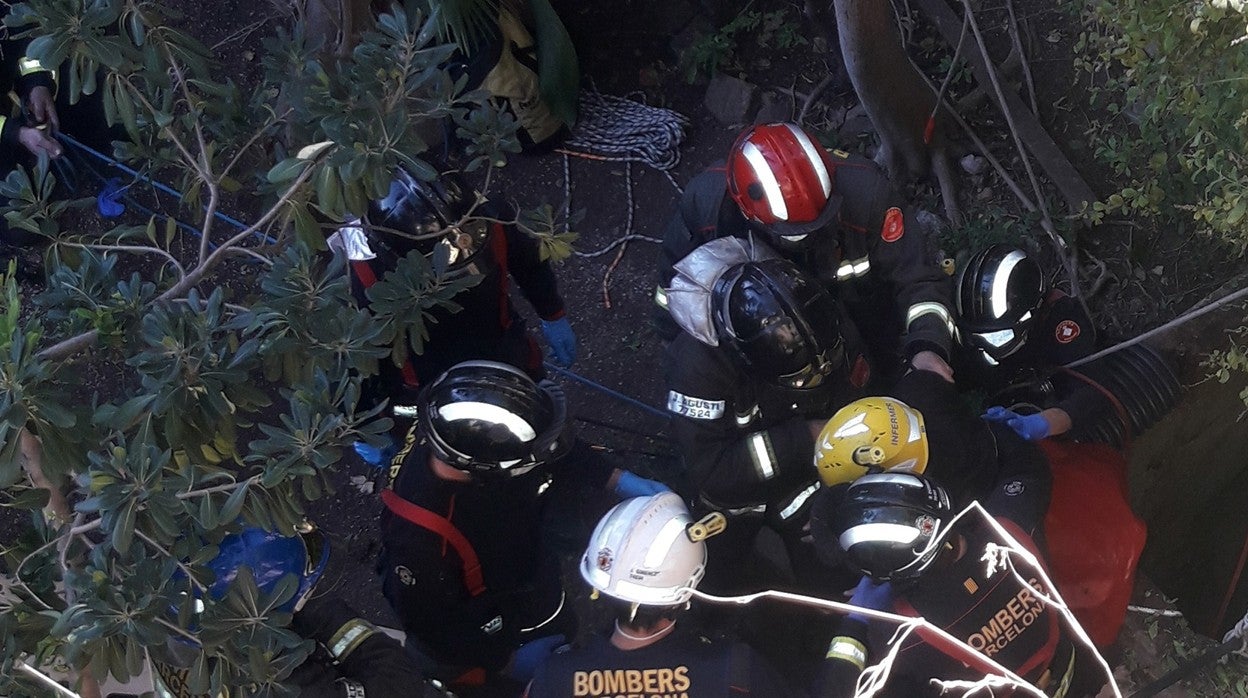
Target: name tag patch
<point>694,407</point>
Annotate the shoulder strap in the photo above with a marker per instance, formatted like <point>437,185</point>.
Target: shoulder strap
<point>420,516</point>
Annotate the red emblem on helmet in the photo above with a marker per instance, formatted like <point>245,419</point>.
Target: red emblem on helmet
<point>926,525</point>
<point>894,225</point>
<point>1067,331</point>
<point>778,173</point>
<point>605,559</point>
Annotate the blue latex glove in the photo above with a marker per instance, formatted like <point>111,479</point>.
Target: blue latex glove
<point>374,456</point>
<point>562,340</point>
<point>108,201</point>
<point>630,485</point>
<point>873,595</point>
<point>531,655</point>
<point>1032,427</point>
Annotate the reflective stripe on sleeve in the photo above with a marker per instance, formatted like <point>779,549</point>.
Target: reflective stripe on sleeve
<point>849,650</point>
<point>796,505</point>
<point>763,454</point>
<point>918,310</point>
<point>660,297</point>
<point>27,66</point>
<point>853,268</point>
<point>349,637</point>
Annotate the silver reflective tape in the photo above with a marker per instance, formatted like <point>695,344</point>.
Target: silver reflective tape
<point>660,297</point>
<point>767,178</point>
<point>816,159</point>
<point>918,310</point>
<point>848,649</point>
<point>1001,282</point>
<point>796,505</point>
<point>760,451</point>
<point>349,637</point>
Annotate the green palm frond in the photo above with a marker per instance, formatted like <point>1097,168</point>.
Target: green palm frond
<point>468,23</point>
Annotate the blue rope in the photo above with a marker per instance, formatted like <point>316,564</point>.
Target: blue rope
<point>156,184</point>
<point>607,391</point>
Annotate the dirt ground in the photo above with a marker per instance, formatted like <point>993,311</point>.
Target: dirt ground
<point>618,348</point>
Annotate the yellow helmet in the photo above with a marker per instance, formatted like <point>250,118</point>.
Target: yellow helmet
<point>870,435</point>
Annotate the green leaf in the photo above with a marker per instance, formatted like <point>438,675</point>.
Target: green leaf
<point>123,527</point>
<point>234,504</point>
<point>31,499</point>
<point>285,170</point>
<point>1237,212</point>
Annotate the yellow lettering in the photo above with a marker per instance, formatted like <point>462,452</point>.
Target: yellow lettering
<point>613,681</point>
<point>1003,617</point>
<point>634,681</point>
<point>665,681</point>
<point>580,683</point>
<point>681,675</point>
<point>650,677</point>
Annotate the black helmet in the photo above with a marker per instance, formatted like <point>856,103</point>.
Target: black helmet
<point>999,290</point>
<point>422,209</point>
<point>888,523</point>
<point>490,418</point>
<point>782,324</point>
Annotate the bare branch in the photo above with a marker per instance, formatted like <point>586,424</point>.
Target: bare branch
<point>136,249</point>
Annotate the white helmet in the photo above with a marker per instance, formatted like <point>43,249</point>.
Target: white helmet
<point>641,552</point>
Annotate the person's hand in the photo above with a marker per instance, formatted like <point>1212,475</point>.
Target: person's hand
<point>530,655</point>
<point>43,108</point>
<point>931,361</point>
<point>1032,427</point>
<point>629,485</point>
<point>38,142</point>
<point>562,340</point>
<point>877,596</point>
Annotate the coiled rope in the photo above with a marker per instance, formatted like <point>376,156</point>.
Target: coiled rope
<point>627,130</point>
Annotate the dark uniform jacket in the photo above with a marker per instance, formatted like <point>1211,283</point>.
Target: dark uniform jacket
<point>679,666</point>
<point>744,441</point>
<point>352,658</point>
<point>486,326</point>
<point>423,576</point>
<point>876,260</point>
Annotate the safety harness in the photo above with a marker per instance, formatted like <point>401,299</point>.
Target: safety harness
<point>417,515</point>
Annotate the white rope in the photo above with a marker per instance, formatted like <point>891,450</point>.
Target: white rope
<point>999,557</point>
<point>625,129</point>
<point>1163,612</point>
<point>620,129</point>
<point>44,680</point>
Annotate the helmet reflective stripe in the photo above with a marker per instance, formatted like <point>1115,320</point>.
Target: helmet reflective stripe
<point>918,310</point>
<point>813,156</point>
<point>764,457</point>
<point>1001,282</point>
<point>662,543</point>
<point>767,178</point>
<point>514,423</point>
<point>871,532</point>
<point>796,505</point>
<point>916,431</point>
<point>856,425</point>
<point>645,595</point>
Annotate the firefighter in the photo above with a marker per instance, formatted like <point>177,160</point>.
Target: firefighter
<point>761,363</point>
<point>645,558</point>
<point>448,220</point>
<point>896,529</point>
<point>465,562</point>
<point>837,217</point>
<point>351,659</point>
<point>1016,335</point>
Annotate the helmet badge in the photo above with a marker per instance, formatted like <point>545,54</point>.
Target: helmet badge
<point>926,524</point>
<point>606,559</point>
<point>1067,331</point>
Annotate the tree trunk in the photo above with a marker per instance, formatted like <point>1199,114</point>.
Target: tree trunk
<point>338,23</point>
<point>894,95</point>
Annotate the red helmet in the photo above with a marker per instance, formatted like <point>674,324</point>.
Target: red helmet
<point>781,178</point>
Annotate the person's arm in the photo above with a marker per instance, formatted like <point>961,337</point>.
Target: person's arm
<point>899,254</point>
<point>1024,483</point>
<point>844,660</point>
<point>368,662</point>
<point>728,463</point>
<point>535,277</point>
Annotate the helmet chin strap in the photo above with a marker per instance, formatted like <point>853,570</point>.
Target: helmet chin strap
<point>645,638</point>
